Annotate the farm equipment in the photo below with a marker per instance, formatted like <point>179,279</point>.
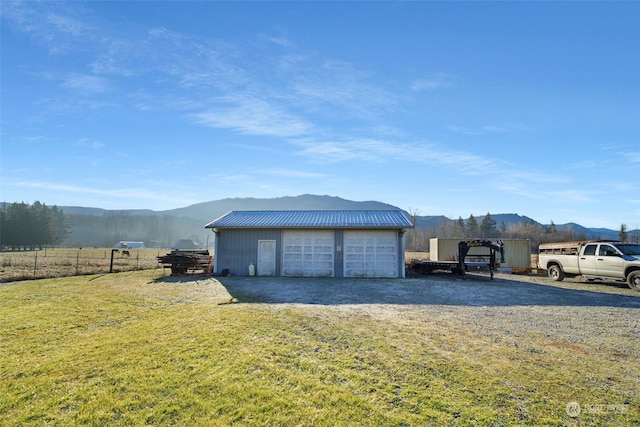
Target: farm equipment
<point>465,260</point>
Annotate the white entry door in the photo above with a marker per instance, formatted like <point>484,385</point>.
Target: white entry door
<point>370,254</point>
<point>266,258</point>
<point>307,253</point>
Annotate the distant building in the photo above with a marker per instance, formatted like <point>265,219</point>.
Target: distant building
<point>347,243</point>
<point>123,244</point>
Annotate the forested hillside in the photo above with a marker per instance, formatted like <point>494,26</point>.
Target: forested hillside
<point>94,227</point>
<point>103,228</point>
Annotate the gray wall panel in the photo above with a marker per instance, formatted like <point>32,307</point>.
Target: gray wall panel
<point>236,249</point>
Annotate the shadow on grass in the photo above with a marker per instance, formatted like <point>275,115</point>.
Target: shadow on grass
<point>189,279</point>
<point>475,290</point>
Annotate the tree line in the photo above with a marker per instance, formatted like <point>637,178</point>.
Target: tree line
<point>35,226</point>
<point>24,226</point>
<point>487,228</point>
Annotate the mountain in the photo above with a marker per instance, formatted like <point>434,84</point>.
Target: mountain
<point>189,221</point>
<point>592,233</point>
<point>208,211</point>
<point>79,210</point>
<point>507,219</point>
<point>104,228</point>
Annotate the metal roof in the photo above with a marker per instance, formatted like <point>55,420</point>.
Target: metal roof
<point>313,219</point>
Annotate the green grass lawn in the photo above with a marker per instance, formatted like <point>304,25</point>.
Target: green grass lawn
<point>127,349</point>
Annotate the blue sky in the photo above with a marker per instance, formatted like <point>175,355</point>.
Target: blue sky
<point>447,108</point>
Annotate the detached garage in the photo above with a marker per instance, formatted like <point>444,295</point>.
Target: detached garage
<point>311,243</point>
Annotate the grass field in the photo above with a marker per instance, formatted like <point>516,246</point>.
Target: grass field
<point>134,348</point>
<point>61,262</point>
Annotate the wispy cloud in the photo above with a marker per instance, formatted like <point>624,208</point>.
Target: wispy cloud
<point>369,150</point>
<point>30,140</point>
<point>254,116</point>
<point>463,130</point>
<point>282,41</point>
<point>85,84</point>
<point>214,83</point>
<point>434,81</point>
<point>292,173</point>
<point>380,151</point>
<point>56,24</point>
<point>321,86</point>
<point>216,79</point>
<point>88,143</point>
<point>487,129</point>
<point>632,157</point>
<point>387,131</point>
<point>572,196</point>
<point>123,193</point>
<point>66,24</point>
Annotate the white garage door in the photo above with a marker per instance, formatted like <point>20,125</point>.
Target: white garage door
<point>370,254</point>
<point>307,253</point>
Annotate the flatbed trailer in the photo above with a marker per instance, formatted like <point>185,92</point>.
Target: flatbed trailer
<point>461,265</point>
<point>425,266</point>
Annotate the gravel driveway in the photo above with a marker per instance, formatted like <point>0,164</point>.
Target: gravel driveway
<point>474,290</point>
<point>601,316</point>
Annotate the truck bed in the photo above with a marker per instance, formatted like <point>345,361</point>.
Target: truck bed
<point>569,263</point>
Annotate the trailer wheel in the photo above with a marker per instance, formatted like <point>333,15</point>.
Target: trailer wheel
<point>555,273</point>
<point>633,280</point>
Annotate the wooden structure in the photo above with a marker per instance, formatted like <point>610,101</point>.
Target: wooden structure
<point>185,262</point>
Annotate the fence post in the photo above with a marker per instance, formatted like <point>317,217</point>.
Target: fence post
<point>35,265</point>
<point>111,264</point>
<point>77,260</point>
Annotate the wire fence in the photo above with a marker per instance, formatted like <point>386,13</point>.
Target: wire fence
<point>49,263</point>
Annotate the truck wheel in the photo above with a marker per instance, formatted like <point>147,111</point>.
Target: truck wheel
<point>633,280</point>
<point>555,273</point>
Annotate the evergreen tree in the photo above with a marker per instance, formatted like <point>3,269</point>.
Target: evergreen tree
<point>459,228</point>
<point>15,232</point>
<point>40,229</point>
<point>623,235</point>
<point>488,226</point>
<point>60,226</point>
<point>31,227</point>
<point>472,226</point>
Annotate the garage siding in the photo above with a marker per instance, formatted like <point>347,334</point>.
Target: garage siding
<point>236,249</point>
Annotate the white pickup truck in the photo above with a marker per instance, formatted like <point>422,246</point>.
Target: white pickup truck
<point>593,260</point>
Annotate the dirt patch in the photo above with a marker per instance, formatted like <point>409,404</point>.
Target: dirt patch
<point>567,345</point>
